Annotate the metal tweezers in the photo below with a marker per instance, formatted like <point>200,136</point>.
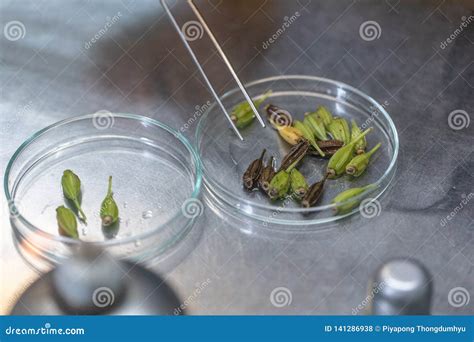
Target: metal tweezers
<point>223,56</point>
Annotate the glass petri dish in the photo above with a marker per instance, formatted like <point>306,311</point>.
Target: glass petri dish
<point>225,157</point>
<point>156,183</point>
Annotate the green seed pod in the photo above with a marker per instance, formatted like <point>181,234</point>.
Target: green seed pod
<point>335,130</point>
<point>359,163</point>
<point>337,163</point>
<point>346,130</point>
<point>67,223</point>
<point>308,135</point>
<point>298,184</point>
<point>325,115</point>
<point>243,115</point>
<point>109,212</point>
<point>339,129</point>
<point>317,127</point>
<point>361,145</point>
<point>71,185</point>
<point>279,185</point>
<point>346,196</point>
<point>244,120</point>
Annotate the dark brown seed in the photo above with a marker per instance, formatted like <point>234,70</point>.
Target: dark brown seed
<point>278,117</point>
<point>313,194</point>
<point>253,172</point>
<point>328,152</point>
<point>267,174</point>
<point>329,147</point>
<point>295,155</point>
<point>330,143</point>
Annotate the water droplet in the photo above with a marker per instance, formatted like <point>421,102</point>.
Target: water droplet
<point>84,231</point>
<point>147,214</point>
<point>138,243</point>
<point>125,204</point>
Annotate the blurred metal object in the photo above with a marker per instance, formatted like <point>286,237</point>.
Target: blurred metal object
<point>401,287</point>
<point>224,58</point>
<point>92,282</point>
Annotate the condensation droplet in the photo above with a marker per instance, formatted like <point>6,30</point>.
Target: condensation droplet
<point>147,214</point>
<point>138,243</point>
<point>125,204</point>
<point>84,231</point>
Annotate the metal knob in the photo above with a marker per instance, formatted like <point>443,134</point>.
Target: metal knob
<point>92,282</point>
<point>401,287</point>
<point>88,281</point>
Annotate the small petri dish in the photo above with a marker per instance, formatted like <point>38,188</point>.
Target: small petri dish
<point>225,157</point>
<point>156,183</point>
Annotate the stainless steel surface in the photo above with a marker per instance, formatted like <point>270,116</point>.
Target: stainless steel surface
<point>401,287</point>
<point>93,283</point>
<point>78,57</point>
